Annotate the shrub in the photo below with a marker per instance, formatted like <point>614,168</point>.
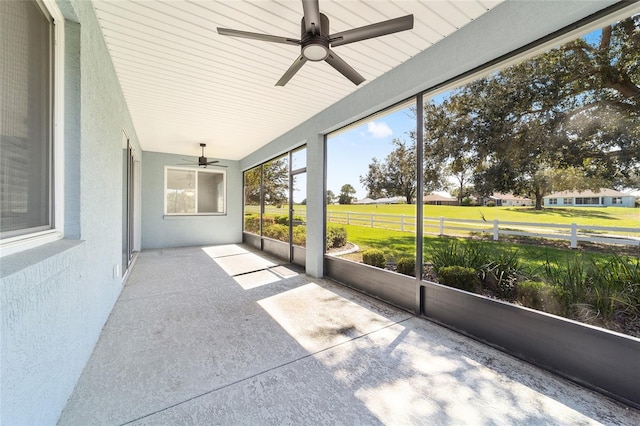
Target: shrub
<point>541,296</point>
<point>407,266</point>
<point>598,289</point>
<point>470,254</point>
<point>502,275</point>
<point>281,219</point>
<point>252,223</point>
<point>300,235</point>
<point>267,221</point>
<point>277,232</point>
<point>336,236</point>
<point>374,257</point>
<point>466,201</point>
<point>491,204</point>
<point>456,276</point>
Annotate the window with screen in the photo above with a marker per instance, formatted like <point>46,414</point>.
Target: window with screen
<point>194,192</point>
<point>26,116</point>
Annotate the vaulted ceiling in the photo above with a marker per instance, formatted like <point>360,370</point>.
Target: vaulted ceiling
<point>185,84</point>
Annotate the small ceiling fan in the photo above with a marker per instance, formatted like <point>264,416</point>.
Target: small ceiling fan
<point>316,42</point>
<point>202,160</point>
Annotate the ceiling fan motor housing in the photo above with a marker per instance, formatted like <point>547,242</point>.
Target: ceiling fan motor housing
<point>315,47</point>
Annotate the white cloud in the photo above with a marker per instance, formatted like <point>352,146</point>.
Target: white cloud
<point>379,130</point>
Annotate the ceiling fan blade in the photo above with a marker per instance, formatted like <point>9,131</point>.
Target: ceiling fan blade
<point>297,64</point>
<point>370,31</point>
<point>344,68</point>
<point>213,162</point>
<point>311,10</point>
<point>258,36</point>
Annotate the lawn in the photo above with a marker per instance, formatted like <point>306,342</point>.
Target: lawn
<point>397,244</point>
<point>594,216</point>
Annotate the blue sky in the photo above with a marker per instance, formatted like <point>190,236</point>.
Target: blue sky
<point>349,152</point>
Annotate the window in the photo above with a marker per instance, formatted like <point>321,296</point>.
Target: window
<point>616,200</point>
<point>194,192</point>
<point>553,201</point>
<point>27,116</point>
<point>587,200</point>
<point>567,201</point>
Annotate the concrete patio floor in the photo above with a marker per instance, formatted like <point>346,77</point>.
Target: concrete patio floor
<point>225,335</point>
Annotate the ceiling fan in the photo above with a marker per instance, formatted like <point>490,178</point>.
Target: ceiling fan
<point>202,160</point>
<point>316,42</point>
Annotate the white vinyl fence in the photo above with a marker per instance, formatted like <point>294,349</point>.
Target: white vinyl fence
<point>449,226</point>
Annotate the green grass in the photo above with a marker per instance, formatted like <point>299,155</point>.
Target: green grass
<point>397,244</point>
<point>595,216</point>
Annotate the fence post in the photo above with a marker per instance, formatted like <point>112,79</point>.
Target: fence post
<point>347,218</point>
<point>441,226</point>
<point>496,233</point>
<point>402,223</point>
<point>372,220</point>
<point>574,236</point>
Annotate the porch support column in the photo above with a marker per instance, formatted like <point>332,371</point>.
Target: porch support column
<point>315,206</point>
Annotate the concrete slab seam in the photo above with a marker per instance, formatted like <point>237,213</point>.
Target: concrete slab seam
<point>310,355</point>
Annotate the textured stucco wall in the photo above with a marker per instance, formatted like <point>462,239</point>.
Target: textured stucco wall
<point>161,232</point>
<point>56,298</point>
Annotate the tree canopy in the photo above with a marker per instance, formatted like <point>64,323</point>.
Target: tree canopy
<point>575,109</point>
<point>396,176</point>
<point>347,192</point>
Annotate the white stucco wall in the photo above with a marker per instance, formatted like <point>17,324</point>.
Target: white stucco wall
<point>56,298</point>
<point>159,231</point>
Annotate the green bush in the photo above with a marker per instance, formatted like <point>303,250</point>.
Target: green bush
<point>336,236</point>
<point>267,221</point>
<point>470,254</point>
<point>541,296</point>
<point>598,289</point>
<point>281,219</point>
<point>502,275</point>
<point>252,223</point>
<point>456,276</point>
<point>407,266</point>
<point>300,235</point>
<point>374,257</point>
<point>277,232</point>
<point>466,201</point>
<point>491,204</point>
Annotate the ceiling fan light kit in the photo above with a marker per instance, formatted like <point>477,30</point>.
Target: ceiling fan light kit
<point>316,42</point>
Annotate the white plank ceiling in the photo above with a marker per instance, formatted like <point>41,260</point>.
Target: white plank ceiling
<point>185,84</point>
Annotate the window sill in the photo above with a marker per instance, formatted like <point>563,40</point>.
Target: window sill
<point>26,259</point>
<point>191,216</point>
<point>25,242</point>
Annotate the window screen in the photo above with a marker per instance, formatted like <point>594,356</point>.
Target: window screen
<point>26,35</point>
<point>191,191</point>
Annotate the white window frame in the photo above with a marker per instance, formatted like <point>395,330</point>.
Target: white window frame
<point>197,170</point>
<point>27,241</point>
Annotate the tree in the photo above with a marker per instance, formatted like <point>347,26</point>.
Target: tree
<point>347,193</point>
<point>461,171</point>
<point>331,197</point>
<point>275,182</point>
<point>396,176</point>
<point>252,187</point>
<point>571,111</point>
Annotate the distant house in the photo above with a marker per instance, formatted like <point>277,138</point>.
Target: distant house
<point>389,200</point>
<point>440,200</point>
<point>589,198</point>
<point>509,200</point>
